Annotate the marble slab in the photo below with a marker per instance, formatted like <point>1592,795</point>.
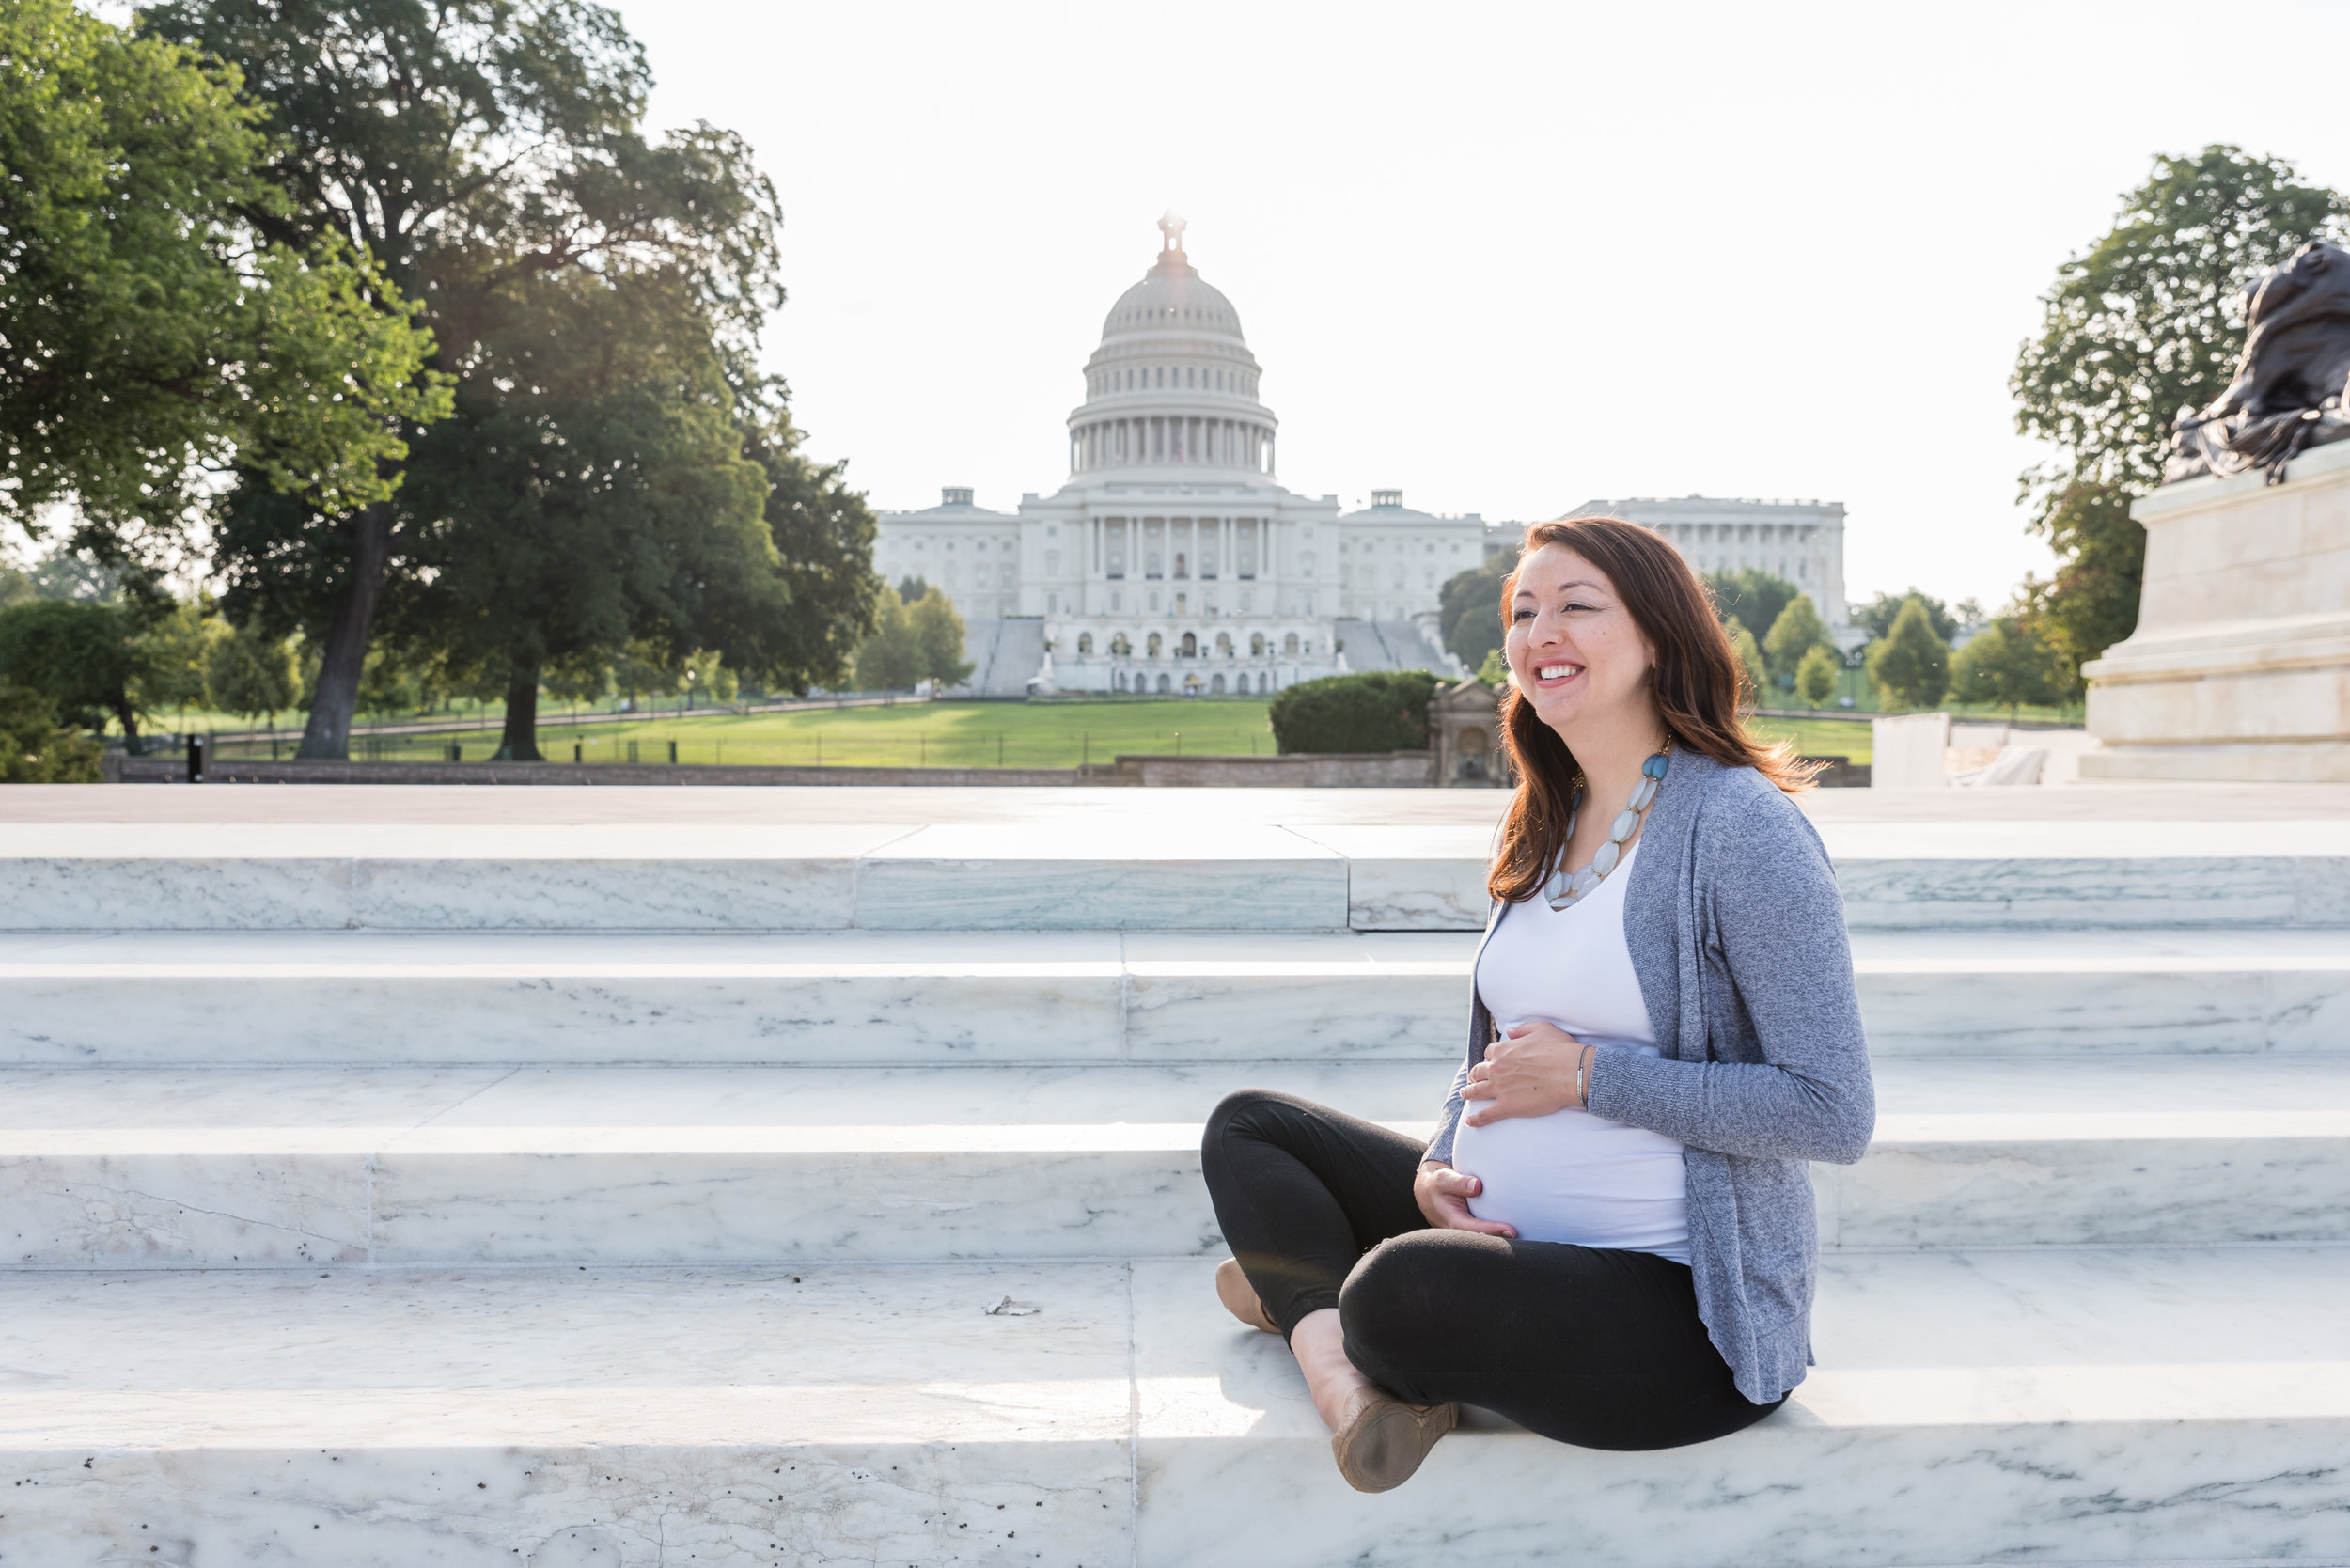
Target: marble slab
<point>2123,1407</point>
<point>1094,872</point>
<point>883,997</point>
<point>1137,876</point>
<point>1412,877</point>
<point>567,1417</point>
<point>551,1164</point>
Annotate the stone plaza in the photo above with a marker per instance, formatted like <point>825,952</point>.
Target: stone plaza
<point>633,1177</point>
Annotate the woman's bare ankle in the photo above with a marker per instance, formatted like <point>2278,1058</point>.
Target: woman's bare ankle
<point>1320,1345</point>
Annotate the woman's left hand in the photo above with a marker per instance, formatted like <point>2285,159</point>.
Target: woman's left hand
<point>1529,1072</point>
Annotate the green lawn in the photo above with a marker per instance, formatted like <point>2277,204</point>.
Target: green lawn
<point>924,734</point>
<point>1819,737</point>
<point>1058,734</point>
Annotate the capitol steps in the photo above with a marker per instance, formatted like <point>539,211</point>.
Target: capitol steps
<point>2185,1406</point>
<point>241,998</point>
<point>1093,873</point>
<point>386,1166</point>
<point>630,1195</point>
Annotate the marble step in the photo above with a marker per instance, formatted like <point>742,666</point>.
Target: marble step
<point>1094,873</point>
<point>2111,1407</point>
<point>358,1167</point>
<point>892,997</point>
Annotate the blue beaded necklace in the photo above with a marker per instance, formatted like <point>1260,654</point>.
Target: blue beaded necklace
<point>1561,890</point>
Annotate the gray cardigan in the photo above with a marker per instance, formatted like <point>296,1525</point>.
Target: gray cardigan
<point>1737,935</point>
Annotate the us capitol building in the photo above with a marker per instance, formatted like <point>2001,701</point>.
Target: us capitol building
<point>1172,560</point>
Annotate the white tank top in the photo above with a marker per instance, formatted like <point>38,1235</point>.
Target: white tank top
<point>1572,1176</point>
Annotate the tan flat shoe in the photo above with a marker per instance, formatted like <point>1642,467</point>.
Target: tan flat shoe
<point>1240,1298</point>
<point>1385,1439</point>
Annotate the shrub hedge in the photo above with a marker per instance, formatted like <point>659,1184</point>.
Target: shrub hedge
<point>1383,709</point>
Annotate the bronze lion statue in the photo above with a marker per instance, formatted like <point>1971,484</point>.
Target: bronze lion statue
<point>2287,394</point>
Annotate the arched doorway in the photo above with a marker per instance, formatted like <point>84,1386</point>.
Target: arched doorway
<point>1216,688</point>
<point>1162,685</point>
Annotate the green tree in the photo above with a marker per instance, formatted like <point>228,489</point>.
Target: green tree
<point>1494,672</point>
<point>1470,608</point>
<point>824,541</point>
<point>590,489</point>
<point>34,748</point>
<point>86,661</point>
<point>474,148</point>
<point>1877,615</point>
<point>151,326</point>
<point>252,674</point>
<point>2147,323</point>
<point>1750,659</point>
<point>176,647</point>
<point>1754,596</point>
<point>2005,664</point>
<point>1817,674</point>
<point>1910,664</point>
<point>890,659</point>
<point>1795,633</point>
<point>939,629</point>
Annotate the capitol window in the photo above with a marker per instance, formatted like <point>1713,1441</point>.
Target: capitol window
<point>1084,642</point>
<point>1256,645</point>
<point>1288,646</point>
<point>1151,647</point>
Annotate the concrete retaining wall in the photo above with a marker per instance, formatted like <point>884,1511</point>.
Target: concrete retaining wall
<point>173,770</point>
<point>1378,770</point>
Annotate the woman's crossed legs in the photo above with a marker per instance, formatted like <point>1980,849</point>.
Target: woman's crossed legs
<point>1596,1347</point>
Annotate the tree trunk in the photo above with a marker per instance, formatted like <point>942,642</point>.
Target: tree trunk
<point>129,717</point>
<point>520,741</point>
<point>328,733</point>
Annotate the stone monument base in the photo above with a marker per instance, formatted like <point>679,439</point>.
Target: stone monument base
<point>2239,669</point>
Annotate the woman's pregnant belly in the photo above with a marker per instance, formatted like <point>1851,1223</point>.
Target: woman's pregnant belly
<point>1574,1177</point>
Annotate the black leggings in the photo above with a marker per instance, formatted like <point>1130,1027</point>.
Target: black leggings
<point>1588,1345</point>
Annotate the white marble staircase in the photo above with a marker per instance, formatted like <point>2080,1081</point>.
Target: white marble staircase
<point>464,1193</point>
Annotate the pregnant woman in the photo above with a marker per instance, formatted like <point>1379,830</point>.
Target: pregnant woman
<point>1610,1239</point>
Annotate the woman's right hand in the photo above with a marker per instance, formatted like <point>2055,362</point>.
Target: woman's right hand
<point>1443,1194</point>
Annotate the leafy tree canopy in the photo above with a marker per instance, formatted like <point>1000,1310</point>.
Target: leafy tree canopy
<point>154,320</point>
<point>491,155</point>
<point>86,661</point>
<point>34,748</point>
<point>1470,608</point>
<point>1817,674</point>
<point>1754,596</point>
<point>2005,664</point>
<point>1877,615</point>
<point>591,489</point>
<point>1796,632</point>
<point>1910,664</point>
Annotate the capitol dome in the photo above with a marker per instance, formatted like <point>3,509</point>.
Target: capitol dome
<point>1173,384</point>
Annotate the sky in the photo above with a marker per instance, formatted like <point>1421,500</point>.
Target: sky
<point>1507,258</point>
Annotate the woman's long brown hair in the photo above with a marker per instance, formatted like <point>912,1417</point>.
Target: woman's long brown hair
<point>1699,686</point>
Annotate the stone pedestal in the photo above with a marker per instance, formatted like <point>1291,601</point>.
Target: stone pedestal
<point>2240,665</point>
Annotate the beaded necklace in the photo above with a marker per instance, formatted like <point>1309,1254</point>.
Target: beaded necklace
<point>1561,890</point>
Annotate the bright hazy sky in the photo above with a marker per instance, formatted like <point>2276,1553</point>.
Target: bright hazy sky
<point>1507,257</point>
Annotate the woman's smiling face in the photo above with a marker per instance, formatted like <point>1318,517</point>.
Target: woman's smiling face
<point>1573,648</point>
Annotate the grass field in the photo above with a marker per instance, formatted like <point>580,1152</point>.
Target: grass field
<point>923,734</point>
<point>945,734</point>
